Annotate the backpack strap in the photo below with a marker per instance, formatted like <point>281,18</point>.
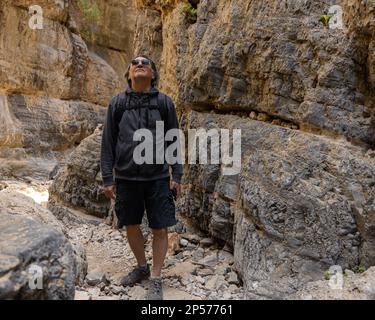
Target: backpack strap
<point>121,105</point>
<point>162,105</point>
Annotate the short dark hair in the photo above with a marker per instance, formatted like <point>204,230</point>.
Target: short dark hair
<point>154,81</point>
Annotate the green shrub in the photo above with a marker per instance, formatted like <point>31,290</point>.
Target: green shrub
<point>327,275</point>
<point>190,12</point>
<point>325,19</point>
<point>89,10</point>
<point>91,16</point>
<point>359,269</point>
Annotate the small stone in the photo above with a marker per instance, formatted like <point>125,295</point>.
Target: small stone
<point>198,254</point>
<point>200,279</point>
<point>169,263</point>
<point>95,277</point>
<point>81,295</point>
<point>205,272</point>
<point>101,286</point>
<point>108,298</point>
<point>206,242</point>
<point>227,296</point>
<point>232,278</point>
<point>183,242</point>
<point>186,253</point>
<point>253,115</point>
<point>226,257</point>
<point>233,288</point>
<point>216,282</point>
<point>263,117</point>
<point>210,260</point>
<point>116,289</point>
<point>349,272</point>
<point>137,293</point>
<point>191,237</point>
<point>179,256</point>
<point>94,292</point>
<point>221,270</point>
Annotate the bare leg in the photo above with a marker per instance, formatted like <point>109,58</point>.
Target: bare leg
<point>136,242</point>
<point>159,250</point>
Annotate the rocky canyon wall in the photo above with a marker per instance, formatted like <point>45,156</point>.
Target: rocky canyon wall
<point>303,96</point>
<point>55,81</point>
<point>301,93</point>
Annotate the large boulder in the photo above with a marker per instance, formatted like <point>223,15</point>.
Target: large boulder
<point>78,183</point>
<point>27,244</point>
<point>33,240</point>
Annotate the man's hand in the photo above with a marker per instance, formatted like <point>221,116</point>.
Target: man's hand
<point>110,191</point>
<point>176,186</point>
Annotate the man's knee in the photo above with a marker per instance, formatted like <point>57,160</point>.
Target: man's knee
<point>133,228</point>
<point>160,233</point>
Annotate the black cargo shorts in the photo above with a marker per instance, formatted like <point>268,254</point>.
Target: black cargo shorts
<point>133,197</point>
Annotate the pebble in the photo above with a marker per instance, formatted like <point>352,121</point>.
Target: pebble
<point>233,288</point>
<point>93,278</point>
<point>226,256</point>
<point>227,296</point>
<point>198,254</point>
<point>81,295</point>
<point>252,115</point>
<point>116,289</point>
<point>183,242</point>
<point>221,270</point>
<point>205,272</point>
<point>206,242</point>
<point>210,260</point>
<point>200,279</point>
<point>232,278</point>
<point>191,237</point>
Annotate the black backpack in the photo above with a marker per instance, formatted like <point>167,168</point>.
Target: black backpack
<point>161,106</point>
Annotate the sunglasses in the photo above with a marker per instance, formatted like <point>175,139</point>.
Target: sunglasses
<point>145,62</point>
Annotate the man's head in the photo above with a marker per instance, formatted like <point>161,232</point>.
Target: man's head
<point>142,68</point>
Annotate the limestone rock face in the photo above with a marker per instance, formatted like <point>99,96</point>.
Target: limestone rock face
<point>54,81</point>
<point>291,212</point>
<point>276,57</point>
<point>303,97</point>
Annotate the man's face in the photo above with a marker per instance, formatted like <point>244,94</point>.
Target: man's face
<point>140,70</point>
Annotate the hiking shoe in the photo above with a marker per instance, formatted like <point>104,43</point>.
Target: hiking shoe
<point>136,275</point>
<point>155,289</point>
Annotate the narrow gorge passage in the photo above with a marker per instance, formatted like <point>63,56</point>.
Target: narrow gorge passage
<point>195,268</point>
<point>295,77</point>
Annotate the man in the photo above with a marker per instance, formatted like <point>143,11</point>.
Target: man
<point>136,187</point>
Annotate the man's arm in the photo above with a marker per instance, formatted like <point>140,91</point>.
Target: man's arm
<point>172,123</point>
<point>108,147</point>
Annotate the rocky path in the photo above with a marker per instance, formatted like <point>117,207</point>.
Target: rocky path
<point>195,267</point>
